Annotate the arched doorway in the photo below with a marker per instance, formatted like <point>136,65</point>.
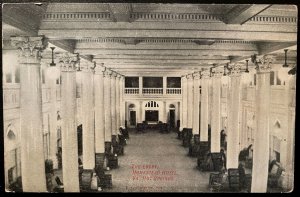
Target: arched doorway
<point>132,114</point>
<point>151,111</point>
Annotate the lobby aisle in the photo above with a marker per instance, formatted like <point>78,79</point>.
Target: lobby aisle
<point>173,170</point>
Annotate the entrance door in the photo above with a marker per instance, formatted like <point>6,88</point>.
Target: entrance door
<point>172,118</point>
<point>151,115</point>
<point>132,118</point>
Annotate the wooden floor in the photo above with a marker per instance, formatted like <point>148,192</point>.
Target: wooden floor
<point>173,170</point>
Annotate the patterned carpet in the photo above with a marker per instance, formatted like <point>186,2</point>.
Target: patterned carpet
<point>156,162</point>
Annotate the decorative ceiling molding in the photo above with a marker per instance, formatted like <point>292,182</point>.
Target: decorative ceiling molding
<point>162,40</point>
<point>186,17</point>
<point>242,13</point>
<point>120,12</point>
<point>273,19</point>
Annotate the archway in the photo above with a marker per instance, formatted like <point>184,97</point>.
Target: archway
<point>151,111</point>
<point>132,114</point>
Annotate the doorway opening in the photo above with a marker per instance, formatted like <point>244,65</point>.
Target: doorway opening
<point>151,115</point>
<point>132,118</point>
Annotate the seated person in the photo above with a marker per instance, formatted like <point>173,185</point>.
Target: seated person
<point>207,164</point>
<point>275,172</point>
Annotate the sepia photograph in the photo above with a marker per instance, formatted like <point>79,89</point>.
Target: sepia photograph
<point>149,97</point>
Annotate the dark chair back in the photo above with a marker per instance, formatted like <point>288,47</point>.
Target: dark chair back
<point>58,181</point>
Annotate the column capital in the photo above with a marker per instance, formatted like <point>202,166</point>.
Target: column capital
<point>107,73</point>
<point>183,77</point>
<point>263,65</point>
<point>196,75</point>
<point>99,69</point>
<point>205,74</point>
<point>119,76</point>
<point>87,67</point>
<point>217,72</point>
<point>189,76</point>
<point>30,47</point>
<point>114,74</point>
<point>68,61</point>
<point>235,69</point>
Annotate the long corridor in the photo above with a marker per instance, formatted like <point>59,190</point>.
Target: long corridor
<point>155,162</point>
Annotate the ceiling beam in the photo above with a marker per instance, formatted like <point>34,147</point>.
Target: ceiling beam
<point>165,52</point>
<point>160,57</point>
<point>242,13</point>
<point>166,44</point>
<point>169,61</point>
<point>120,12</point>
<point>196,34</point>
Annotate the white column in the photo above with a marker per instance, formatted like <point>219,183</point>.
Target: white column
<point>190,102</point>
<point>99,109</point>
<point>261,135</point>
<point>69,127</point>
<point>164,118</point>
<point>118,103</point>
<point>204,105</point>
<point>122,102</point>
<point>113,102</point>
<point>140,85</point>
<point>216,115</point>
<point>164,85</point>
<point>53,123</point>
<point>196,110</point>
<point>141,112</point>
<point>32,154</point>
<point>234,116</point>
<point>87,103</point>
<point>184,102</point>
<point>107,105</point>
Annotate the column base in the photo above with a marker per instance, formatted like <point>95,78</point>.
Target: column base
<point>107,148</point>
<point>99,160</point>
<point>187,137</point>
<point>204,148</point>
<point>86,179</point>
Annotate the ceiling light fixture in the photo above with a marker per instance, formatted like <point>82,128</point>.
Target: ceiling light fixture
<point>52,71</point>
<point>285,58</point>
<point>247,70</point>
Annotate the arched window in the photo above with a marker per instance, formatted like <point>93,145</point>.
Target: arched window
<point>151,104</point>
<point>171,106</point>
<point>131,106</point>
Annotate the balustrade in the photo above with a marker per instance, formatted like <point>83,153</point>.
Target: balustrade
<point>152,90</point>
<point>173,90</point>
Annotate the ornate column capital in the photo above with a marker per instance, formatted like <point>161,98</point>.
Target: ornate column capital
<point>85,67</point>
<point>68,61</point>
<point>30,47</point>
<point>263,64</point>
<point>119,76</point>
<point>217,72</point>
<point>189,76</point>
<point>107,73</point>
<point>99,69</point>
<point>183,77</point>
<point>197,75</point>
<point>114,74</point>
<point>235,69</point>
<point>205,74</point>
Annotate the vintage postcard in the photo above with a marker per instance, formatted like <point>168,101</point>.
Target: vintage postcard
<point>149,97</point>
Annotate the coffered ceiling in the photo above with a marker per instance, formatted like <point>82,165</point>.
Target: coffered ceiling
<point>158,39</point>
